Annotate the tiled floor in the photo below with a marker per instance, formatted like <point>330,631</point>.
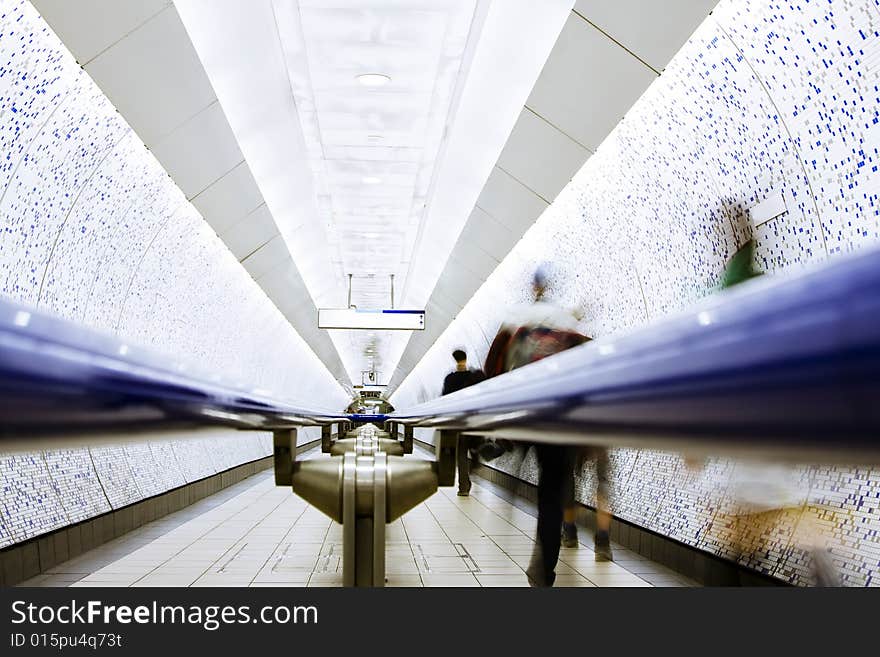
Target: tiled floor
<point>256,534</point>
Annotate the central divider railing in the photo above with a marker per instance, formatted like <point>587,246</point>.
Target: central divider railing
<point>365,484</point>
<point>790,366</point>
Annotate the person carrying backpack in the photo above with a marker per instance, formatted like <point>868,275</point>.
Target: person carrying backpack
<point>461,378</point>
<point>530,333</point>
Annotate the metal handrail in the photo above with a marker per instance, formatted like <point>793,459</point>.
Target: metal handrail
<point>791,363</point>
<point>59,377</point>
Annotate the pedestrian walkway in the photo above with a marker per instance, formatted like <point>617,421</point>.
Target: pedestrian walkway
<point>257,534</point>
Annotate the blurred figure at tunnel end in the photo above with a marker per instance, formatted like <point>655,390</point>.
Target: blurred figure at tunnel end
<point>462,377</point>
<point>529,333</point>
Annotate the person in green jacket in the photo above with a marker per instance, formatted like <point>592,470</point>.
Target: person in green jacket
<point>741,266</point>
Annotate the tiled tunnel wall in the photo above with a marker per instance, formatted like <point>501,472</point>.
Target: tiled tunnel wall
<point>44,491</point>
<point>766,98</point>
<point>93,229</point>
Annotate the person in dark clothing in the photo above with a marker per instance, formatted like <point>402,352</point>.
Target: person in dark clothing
<point>555,463</point>
<point>461,378</point>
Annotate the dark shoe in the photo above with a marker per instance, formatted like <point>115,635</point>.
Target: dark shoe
<point>569,535</point>
<point>535,580</point>
<point>537,576</point>
<point>602,547</point>
<point>464,493</point>
<point>538,579</point>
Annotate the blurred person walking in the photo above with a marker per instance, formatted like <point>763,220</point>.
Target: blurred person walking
<point>532,332</point>
<point>764,493</point>
<point>461,378</point>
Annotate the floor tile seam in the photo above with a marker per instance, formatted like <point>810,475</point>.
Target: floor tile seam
<point>323,545</point>
<point>282,501</point>
<point>483,531</point>
<point>409,542</point>
<point>424,557</point>
<point>487,508</point>
<point>191,544</point>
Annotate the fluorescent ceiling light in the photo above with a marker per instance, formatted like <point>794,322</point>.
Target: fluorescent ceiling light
<point>373,79</point>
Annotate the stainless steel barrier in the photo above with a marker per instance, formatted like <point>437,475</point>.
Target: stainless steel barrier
<point>363,486</point>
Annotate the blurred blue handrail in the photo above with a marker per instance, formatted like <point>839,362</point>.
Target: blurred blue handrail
<point>793,360</point>
<point>57,376</point>
<point>790,360</point>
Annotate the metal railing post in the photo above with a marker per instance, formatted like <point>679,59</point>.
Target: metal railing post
<point>284,452</point>
<point>446,449</point>
<point>408,431</point>
<point>326,437</point>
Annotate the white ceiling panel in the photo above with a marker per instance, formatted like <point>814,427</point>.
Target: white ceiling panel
<point>250,233</point>
<point>540,157</point>
<point>197,153</point>
<point>489,234</point>
<point>661,28</point>
<point>229,199</point>
<point>85,37</point>
<point>270,256</point>
<point>285,284</point>
<point>252,83</point>
<point>474,258</point>
<point>369,153</point>
<point>303,313</point>
<point>501,76</point>
<point>153,77</point>
<point>447,306</point>
<point>510,202</point>
<point>588,83</point>
<point>372,203</point>
<point>437,319</point>
<point>459,283</point>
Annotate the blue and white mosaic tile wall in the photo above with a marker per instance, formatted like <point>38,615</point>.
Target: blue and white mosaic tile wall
<point>47,490</point>
<point>766,97</point>
<point>93,229</point>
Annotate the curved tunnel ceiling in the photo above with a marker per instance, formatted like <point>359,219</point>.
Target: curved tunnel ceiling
<point>309,176</point>
<point>390,169</point>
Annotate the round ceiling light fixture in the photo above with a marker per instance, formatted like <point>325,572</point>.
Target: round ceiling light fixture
<point>373,79</point>
<point>371,180</point>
